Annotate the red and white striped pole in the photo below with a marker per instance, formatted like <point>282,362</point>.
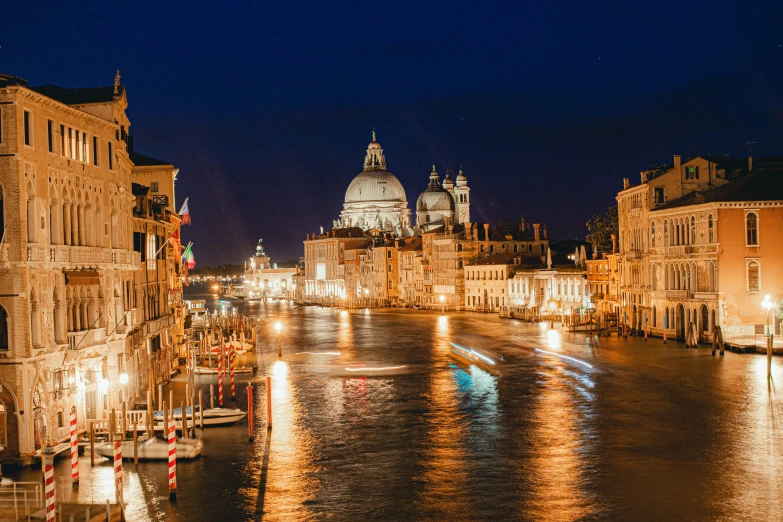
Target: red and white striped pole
<point>118,471</point>
<point>220,377</point>
<point>47,459</point>
<point>172,461</point>
<point>74,449</point>
<point>231,365</point>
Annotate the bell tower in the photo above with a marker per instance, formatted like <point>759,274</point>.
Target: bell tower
<point>462,198</point>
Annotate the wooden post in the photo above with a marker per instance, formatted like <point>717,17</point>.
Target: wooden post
<point>92,443</point>
<point>268,402</point>
<point>135,443</point>
<point>184,419</point>
<point>200,410</point>
<point>112,425</point>
<point>165,420</point>
<point>193,414</point>
<point>249,412</point>
<point>160,395</point>
<point>124,421</point>
<point>171,404</point>
<point>150,428</point>
<point>212,396</point>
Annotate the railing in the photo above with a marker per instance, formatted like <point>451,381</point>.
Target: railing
<point>21,499</point>
<point>36,253</point>
<point>678,294</point>
<point>86,338</point>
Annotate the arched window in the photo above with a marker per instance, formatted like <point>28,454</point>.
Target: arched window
<point>711,227</point>
<point>753,276</point>
<point>35,331</point>
<point>31,219</point>
<point>693,230</point>
<point>652,234</point>
<point>665,232</point>
<point>3,329</point>
<point>751,228</point>
<point>711,277</point>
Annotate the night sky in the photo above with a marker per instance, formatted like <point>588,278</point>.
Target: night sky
<point>267,107</point>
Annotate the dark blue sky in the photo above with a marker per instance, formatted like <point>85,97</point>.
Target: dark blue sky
<point>267,107</point>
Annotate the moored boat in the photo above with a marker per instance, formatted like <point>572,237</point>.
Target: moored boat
<point>153,448</point>
<point>212,370</point>
<point>212,416</point>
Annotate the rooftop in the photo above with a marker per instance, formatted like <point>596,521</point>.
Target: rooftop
<point>80,95</point>
<point>762,185</point>
<point>140,160</point>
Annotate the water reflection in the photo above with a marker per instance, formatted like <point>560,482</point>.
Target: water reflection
<point>289,481</point>
<point>559,486</point>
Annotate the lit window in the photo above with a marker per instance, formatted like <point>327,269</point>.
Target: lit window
<point>751,228</point>
<point>754,276</point>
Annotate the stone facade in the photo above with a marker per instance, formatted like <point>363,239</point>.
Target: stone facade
<point>67,263</point>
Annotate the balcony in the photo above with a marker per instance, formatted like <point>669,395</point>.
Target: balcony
<point>86,338</point>
<point>678,294</point>
<point>36,253</point>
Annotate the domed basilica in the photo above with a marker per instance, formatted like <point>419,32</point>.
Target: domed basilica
<point>375,199</point>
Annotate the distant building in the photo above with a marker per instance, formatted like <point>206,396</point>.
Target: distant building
<point>264,279</point>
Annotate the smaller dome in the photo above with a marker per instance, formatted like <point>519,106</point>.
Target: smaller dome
<point>461,175</point>
<point>435,199</point>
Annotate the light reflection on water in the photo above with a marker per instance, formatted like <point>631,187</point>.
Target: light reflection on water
<point>558,465</point>
<point>648,432</point>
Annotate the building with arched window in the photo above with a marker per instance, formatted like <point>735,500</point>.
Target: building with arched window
<point>67,261</point>
<point>717,256</point>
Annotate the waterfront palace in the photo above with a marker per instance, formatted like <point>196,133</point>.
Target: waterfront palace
<point>91,310</point>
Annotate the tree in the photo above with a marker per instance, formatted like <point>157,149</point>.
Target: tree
<point>600,229</point>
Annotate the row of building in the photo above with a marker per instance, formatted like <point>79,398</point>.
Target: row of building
<point>698,247</point>
<point>91,309</point>
<point>375,256</point>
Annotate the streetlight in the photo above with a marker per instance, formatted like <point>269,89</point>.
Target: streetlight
<point>551,315</point>
<point>442,305</point>
<point>279,327</point>
<point>767,305</point>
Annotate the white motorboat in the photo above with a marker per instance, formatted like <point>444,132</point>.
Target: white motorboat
<point>212,416</point>
<point>153,448</point>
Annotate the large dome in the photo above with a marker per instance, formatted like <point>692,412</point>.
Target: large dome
<point>375,185</point>
<point>435,199</point>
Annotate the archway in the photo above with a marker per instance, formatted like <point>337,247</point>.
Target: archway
<point>9,430</point>
<point>680,322</point>
<point>704,326</point>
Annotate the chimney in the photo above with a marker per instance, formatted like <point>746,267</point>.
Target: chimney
<point>522,224</point>
<point>536,231</point>
<point>614,243</point>
<point>486,231</point>
<point>545,232</point>
<point>677,163</point>
<point>626,183</point>
<point>750,163</point>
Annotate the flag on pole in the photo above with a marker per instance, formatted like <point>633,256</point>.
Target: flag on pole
<point>184,213</point>
<point>175,241</point>
<point>187,257</point>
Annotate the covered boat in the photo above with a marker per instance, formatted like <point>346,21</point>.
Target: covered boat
<point>212,416</point>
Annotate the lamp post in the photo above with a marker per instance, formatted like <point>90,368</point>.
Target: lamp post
<point>443,305</point>
<point>366,298</point>
<point>551,315</point>
<point>767,305</point>
<point>279,327</point>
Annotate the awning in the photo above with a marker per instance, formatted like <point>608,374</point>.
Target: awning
<point>82,277</point>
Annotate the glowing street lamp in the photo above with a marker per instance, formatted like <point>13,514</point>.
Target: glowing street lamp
<point>551,315</point>
<point>442,305</point>
<point>278,327</point>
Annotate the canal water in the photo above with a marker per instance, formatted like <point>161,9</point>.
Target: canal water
<point>572,428</point>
